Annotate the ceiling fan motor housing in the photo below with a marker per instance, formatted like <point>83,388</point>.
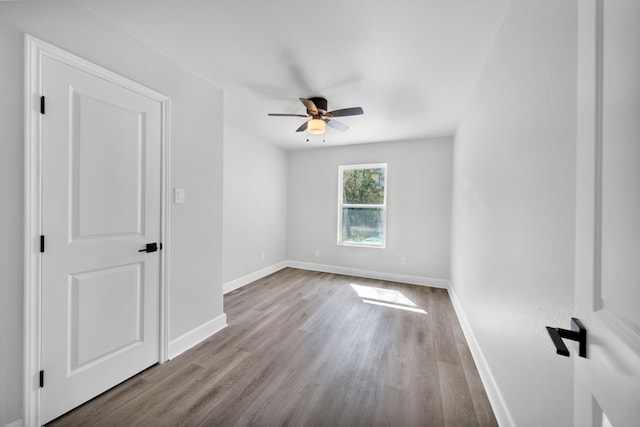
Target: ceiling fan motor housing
<point>321,104</point>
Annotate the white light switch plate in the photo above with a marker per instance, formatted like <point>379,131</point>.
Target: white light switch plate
<point>179,195</point>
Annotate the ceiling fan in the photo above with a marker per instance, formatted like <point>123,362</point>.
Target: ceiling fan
<point>319,116</point>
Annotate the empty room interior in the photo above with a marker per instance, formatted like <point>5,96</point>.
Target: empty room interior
<point>337,213</point>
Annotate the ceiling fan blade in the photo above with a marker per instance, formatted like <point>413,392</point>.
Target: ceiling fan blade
<point>303,127</point>
<point>336,125</point>
<point>354,111</point>
<point>311,107</point>
<point>287,115</point>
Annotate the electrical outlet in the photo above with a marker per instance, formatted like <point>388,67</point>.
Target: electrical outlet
<point>317,252</point>
<point>262,255</point>
<point>403,260</point>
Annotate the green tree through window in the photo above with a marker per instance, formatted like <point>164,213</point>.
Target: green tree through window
<point>364,186</point>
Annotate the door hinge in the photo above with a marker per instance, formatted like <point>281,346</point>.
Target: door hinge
<point>41,379</point>
<point>42,243</point>
<point>42,105</point>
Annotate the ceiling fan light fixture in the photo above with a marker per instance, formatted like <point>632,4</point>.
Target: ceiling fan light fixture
<point>316,126</point>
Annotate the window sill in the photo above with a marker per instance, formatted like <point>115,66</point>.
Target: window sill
<point>361,245</point>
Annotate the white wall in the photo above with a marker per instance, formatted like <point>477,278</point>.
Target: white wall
<point>196,163</point>
<point>255,204</point>
<point>418,207</point>
<point>514,203</point>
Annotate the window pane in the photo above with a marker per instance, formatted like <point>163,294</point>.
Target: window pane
<point>363,186</point>
<point>362,226</point>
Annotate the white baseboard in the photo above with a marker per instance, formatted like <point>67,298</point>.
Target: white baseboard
<point>196,335</point>
<point>252,277</point>
<point>500,409</point>
<point>16,423</point>
<point>371,274</point>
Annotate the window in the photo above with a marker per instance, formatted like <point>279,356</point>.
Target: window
<point>362,204</point>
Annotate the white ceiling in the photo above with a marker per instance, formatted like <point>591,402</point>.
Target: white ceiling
<point>410,64</point>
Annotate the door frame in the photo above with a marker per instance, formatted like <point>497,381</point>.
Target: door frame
<point>35,51</point>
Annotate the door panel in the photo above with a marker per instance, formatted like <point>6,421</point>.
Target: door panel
<point>96,147</point>
<point>101,204</point>
<point>94,333</point>
<point>607,382</point>
<point>620,292</point>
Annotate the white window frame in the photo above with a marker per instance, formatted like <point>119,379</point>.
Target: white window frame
<point>382,206</point>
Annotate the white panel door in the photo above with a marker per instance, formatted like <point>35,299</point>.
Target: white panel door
<point>101,204</point>
<point>607,382</point>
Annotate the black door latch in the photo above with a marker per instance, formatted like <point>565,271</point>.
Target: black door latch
<point>577,333</point>
<point>151,247</point>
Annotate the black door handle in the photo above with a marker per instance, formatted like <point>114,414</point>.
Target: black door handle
<point>577,333</point>
<point>151,247</point>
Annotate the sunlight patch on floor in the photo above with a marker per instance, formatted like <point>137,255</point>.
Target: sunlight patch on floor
<point>386,298</point>
<point>400,307</point>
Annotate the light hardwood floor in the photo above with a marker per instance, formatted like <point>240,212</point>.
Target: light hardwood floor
<point>305,349</point>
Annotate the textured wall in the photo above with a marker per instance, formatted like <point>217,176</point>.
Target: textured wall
<point>255,204</point>
<point>514,205</point>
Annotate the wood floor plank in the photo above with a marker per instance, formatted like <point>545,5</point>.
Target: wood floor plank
<point>305,348</point>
